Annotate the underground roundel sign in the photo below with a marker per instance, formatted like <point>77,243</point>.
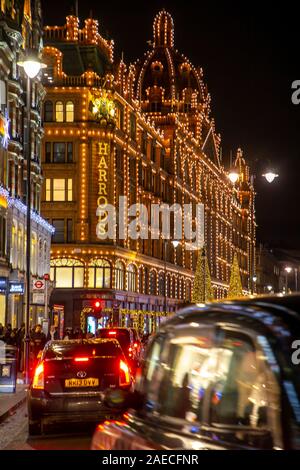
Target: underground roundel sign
<point>38,284</point>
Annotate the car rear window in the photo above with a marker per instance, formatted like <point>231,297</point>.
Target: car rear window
<point>69,349</point>
<point>123,336</point>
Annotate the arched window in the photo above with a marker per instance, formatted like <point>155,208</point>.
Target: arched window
<point>59,111</point>
<point>168,286</point>
<point>174,283</point>
<point>153,283</point>
<point>20,247</point>
<point>48,111</point>
<point>99,274</point>
<point>188,290</point>
<point>34,253</point>
<point>131,278</point>
<point>146,280</point>
<point>120,275</point>
<point>67,272</point>
<point>141,280</point>
<point>40,267</point>
<point>46,260</point>
<point>14,245</point>
<point>161,284</point>
<point>69,111</point>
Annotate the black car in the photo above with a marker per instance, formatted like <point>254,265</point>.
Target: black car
<point>220,376</point>
<point>70,380</point>
<point>126,338</point>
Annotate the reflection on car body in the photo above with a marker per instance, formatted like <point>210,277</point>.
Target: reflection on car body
<point>218,376</point>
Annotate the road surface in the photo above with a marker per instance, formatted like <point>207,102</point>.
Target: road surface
<point>14,435</point>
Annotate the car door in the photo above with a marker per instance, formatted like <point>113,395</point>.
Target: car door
<point>245,404</point>
<point>178,371</point>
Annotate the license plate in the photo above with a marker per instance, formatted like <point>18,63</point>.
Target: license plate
<point>88,382</point>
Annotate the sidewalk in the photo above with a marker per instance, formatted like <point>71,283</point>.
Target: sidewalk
<point>10,401</point>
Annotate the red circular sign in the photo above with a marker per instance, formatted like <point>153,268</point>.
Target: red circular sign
<point>38,284</point>
<point>46,277</point>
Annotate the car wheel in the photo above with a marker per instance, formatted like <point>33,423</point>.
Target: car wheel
<point>35,428</point>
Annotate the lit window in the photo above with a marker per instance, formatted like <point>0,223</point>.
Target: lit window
<point>70,189</point>
<point>70,111</point>
<point>67,272</point>
<point>48,189</point>
<point>131,278</point>
<point>59,111</point>
<point>120,271</point>
<point>59,189</point>
<point>99,274</point>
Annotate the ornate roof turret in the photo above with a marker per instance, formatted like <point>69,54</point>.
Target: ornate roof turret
<point>163,30</point>
<point>166,77</point>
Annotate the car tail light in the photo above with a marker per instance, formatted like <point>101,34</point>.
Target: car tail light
<point>124,374</point>
<point>135,345</point>
<point>81,359</point>
<point>38,378</point>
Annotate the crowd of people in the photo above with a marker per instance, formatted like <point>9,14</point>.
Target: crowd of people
<point>16,337</point>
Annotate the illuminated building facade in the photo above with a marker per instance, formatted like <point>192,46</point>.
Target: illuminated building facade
<point>20,28</point>
<point>142,131</point>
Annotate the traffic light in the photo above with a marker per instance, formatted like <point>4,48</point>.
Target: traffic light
<point>97,304</point>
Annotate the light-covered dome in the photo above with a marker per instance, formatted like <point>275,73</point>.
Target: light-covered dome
<point>165,75</point>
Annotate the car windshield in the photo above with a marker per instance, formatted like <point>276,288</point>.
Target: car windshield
<point>68,349</point>
<point>122,335</point>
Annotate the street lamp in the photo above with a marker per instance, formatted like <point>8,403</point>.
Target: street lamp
<point>288,270</point>
<point>233,175</point>
<point>270,176</point>
<point>254,279</point>
<point>269,288</point>
<point>32,66</point>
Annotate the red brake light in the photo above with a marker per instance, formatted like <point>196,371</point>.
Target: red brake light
<point>38,378</point>
<point>81,359</point>
<point>124,374</point>
<point>112,332</point>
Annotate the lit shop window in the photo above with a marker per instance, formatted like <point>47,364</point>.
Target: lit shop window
<point>99,274</point>
<point>131,278</point>
<point>67,272</point>
<point>120,275</point>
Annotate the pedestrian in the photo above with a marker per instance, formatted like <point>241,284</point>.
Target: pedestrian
<point>68,334</point>
<point>7,333</point>
<point>53,333</point>
<point>37,343</point>
<point>20,345</point>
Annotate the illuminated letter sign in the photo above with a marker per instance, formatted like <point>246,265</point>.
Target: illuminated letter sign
<point>103,151</point>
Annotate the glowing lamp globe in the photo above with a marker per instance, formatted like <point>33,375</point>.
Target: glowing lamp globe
<point>233,176</point>
<point>32,66</point>
<point>270,176</point>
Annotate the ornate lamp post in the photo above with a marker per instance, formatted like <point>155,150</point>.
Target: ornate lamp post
<point>32,67</point>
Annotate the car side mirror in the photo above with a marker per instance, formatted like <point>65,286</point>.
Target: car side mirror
<point>122,400</point>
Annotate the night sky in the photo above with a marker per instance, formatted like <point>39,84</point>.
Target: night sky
<point>250,56</point>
